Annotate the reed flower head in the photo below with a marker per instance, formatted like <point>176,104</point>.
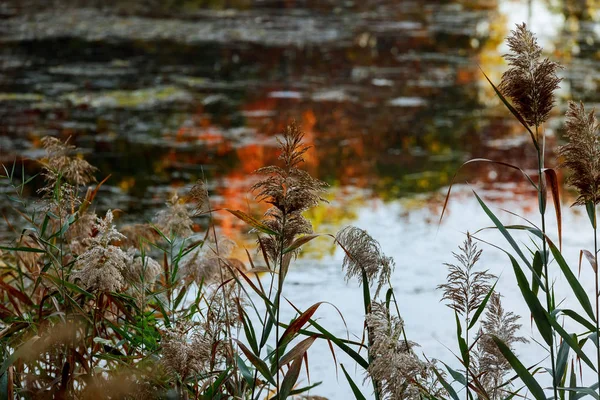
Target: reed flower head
<point>394,364</point>
<point>290,191</point>
<point>62,162</point>
<point>186,350</point>
<point>582,153</point>
<point>362,252</point>
<point>530,81</point>
<point>465,287</point>
<point>142,269</point>
<point>492,365</point>
<point>79,234</point>
<point>175,219</point>
<point>103,266</point>
<point>199,196</point>
<point>205,265</point>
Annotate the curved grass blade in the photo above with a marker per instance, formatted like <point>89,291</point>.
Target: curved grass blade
<point>481,307</point>
<point>357,394</point>
<point>573,281</point>
<point>513,111</point>
<point>258,363</point>
<point>539,314</point>
<point>290,378</point>
<point>507,236</point>
<point>552,179</point>
<point>524,374</point>
<point>571,342</point>
<point>297,324</point>
<point>253,222</point>
<point>480,160</point>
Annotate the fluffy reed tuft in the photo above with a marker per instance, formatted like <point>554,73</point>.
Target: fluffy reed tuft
<point>62,163</point>
<point>185,350</point>
<point>204,265</point>
<point>530,81</point>
<point>465,288</point>
<point>492,365</point>
<point>364,253</point>
<point>199,196</point>
<point>394,364</point>
<point>582,153</point>
<point>175,219</point>
<point>103,266</point>
<point>290,191</point>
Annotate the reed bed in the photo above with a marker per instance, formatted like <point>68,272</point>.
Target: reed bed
<point>160,310</point>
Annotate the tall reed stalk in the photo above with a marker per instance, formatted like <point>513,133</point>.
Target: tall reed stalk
<point>530,83</point>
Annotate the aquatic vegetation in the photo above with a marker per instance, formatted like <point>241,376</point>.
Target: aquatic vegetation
<point>165,309</point>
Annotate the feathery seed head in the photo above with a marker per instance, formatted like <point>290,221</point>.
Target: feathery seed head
<point>394,364</point>
<point>582,153</point>
<point>102,266</point>
<point>185,349</point>
<point>290,191</point>
<point>530,81</point>
<point>465,288</point>
<point>492,366</point>
<point>61,162</point>
<point>362,252</point>
<point>175,219</point>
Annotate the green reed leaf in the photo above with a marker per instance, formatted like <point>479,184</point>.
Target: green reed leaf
<point>508,237</point>
<point>562,361</point>
<point>538,266</point>
<point>481,307</point>
<point>538,312</point>
<point>523,373</point>
<point>355,390</point>
<point>445,383</point>
<point>258,363</point>
<point>573,281</point>
<point>571,342</point>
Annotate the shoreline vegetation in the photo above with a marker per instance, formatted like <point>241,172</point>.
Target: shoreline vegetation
<point>159,310</point>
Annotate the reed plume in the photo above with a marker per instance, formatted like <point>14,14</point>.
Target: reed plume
<point>103,266</point>
<point>492,365</point>
<point>175,219</point>
<point>394,364</point>
<point>63,162</point>
<point>290,191</point>
<point>363,253</point>
<point>205,265</point>
<point>199,196</point>
<point>582,153</point>
<point>465,290</point>
<point>185,350</point>
<point>530,81</point>
<point>465,287</point>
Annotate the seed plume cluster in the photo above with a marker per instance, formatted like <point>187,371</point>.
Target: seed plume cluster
<point>530,81</point>
<point>465,287</point>
<point>103,266</point>
<point>185,350</point>
<point>175,219</point>
<point>363,253</point>
<point>394,363</point>
<point>63,162</point>
<point>492,365</point>
<point>290,191</point>
<point>582,153</point>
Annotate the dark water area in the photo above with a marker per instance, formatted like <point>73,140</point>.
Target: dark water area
<point>159,94</point>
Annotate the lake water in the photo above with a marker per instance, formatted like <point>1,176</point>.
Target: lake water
<point>389,93</point>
